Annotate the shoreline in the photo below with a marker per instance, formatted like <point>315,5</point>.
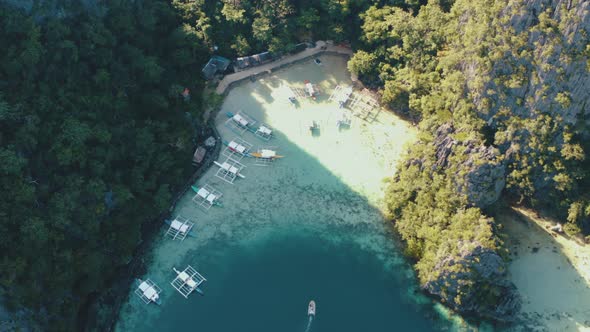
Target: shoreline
<point>150,231</point>
<point>209,116</point>
<point>296,142</point>
<point>551,272</point>
<point>322,47</point>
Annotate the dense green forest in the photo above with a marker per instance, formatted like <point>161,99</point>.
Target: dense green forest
<point>462,74</point>
<point>94,140</point>
<point>95,137</point>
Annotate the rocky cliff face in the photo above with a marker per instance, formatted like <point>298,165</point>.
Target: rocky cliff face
<point>475,283</point>
<point>550,73</point>
<point>484,170</point>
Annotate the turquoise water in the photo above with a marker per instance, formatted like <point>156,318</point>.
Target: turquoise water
<point>308,227</point>
<point>266,286</point>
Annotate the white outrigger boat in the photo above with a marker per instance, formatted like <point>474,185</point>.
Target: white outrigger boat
<point>310,90</point>
<point>237,148</point>
<point>206,196</point>
<point>148,291</point>
<point>180,228</point>
<point>341,94</point>
<point>229,170</point>
<point>239,122</point>
<point>264,132</point>
<point>311,308</point>
<point>187,281</point>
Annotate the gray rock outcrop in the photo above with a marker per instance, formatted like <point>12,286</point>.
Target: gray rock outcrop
<point>475,283</point>
<point>550,74</point>
<point>485,171</point>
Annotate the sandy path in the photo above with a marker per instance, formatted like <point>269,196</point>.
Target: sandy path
<point>320,47</point>
<point>551,272</point>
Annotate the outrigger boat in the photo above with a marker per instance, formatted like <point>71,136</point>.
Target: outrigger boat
<point>207,195</point>
<point>230,169</point>
<point>148,291</point>
<point>309,89</point>
<point>311,308</point>
<point>239,122</point>
<point>265,154</point>
<point>180,228</point>
<point>188,281</point>
<point>236,147</point>
<point>238,118</point>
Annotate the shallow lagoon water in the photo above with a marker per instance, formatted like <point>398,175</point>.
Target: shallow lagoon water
<point>308,227</point>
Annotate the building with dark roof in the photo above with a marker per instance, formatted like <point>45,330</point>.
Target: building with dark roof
<point>216,64</point>
<point>252,61</point>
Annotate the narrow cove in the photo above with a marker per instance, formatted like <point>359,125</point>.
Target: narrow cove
<point>310,226</point>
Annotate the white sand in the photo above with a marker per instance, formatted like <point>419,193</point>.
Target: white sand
<point>553,281</point>
<point>320,47</point>
<point>331,185</point>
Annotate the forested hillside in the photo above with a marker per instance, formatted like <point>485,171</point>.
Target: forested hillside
<point>95,136</point>
<point>94,139</point>
<point>497,90</point>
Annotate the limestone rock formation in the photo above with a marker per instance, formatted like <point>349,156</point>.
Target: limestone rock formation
<point>475,283</point>
<point>483,165</point>
<point>551,76</point>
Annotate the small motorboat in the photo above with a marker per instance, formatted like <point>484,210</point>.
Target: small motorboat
<point>311,308</point>
<point>317,61</point>
<point>293,100</point>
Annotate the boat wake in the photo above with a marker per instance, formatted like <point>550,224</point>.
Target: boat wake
<point>309,323</point>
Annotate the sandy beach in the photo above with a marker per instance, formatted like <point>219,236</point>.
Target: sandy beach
<point>551,272</point>
<point>324,197</point>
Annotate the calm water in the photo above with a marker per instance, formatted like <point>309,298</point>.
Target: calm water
<point>266,286</point>
<point>308,227</point>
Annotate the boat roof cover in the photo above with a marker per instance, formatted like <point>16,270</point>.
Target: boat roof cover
<point>211,198</point>
<point>240,120</point>
<point>203,192</point>
<point>265,130</point>
<point>268,153</point>
<point>150,293</point>
<point>144,286</point>
<point>183,276</point>
<point>182,227</point>
<point>191,283</point>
